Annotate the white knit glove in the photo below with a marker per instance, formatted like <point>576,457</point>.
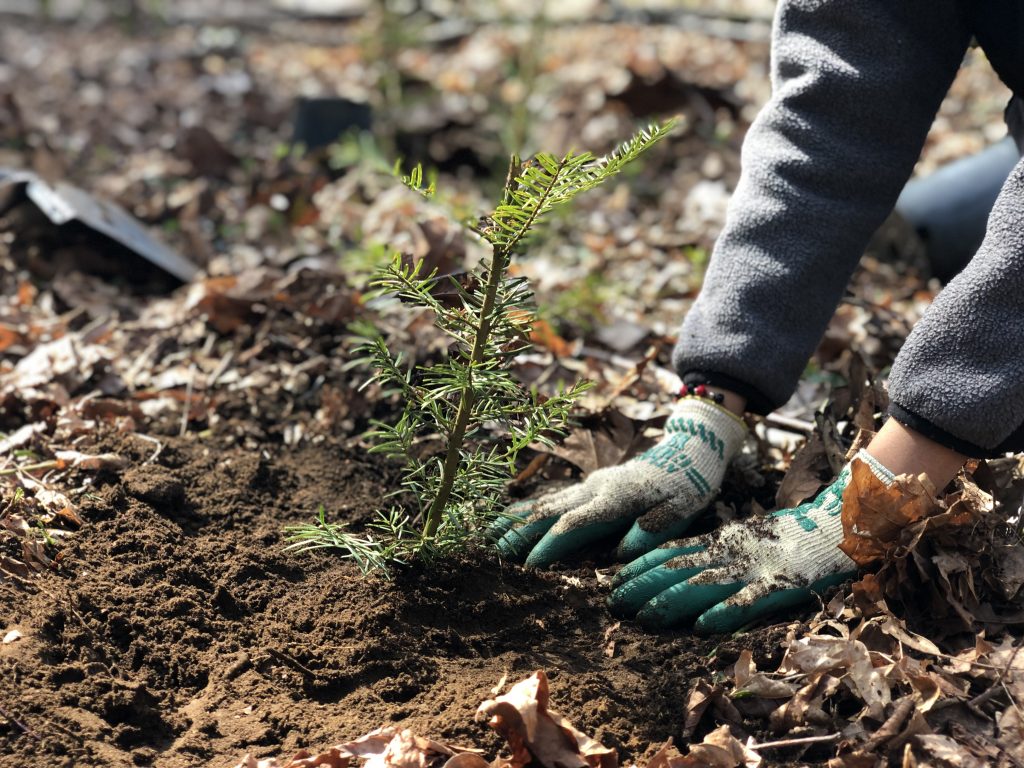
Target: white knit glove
<point>658,493</point>
<point>745,569</point>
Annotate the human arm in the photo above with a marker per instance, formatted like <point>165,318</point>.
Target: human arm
<point>856,85</point>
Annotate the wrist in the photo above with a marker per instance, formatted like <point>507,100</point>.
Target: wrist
<point>730,400</point>
<point>725,398</point>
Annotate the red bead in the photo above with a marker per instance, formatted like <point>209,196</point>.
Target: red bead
<point>700,390</point>
<point>683,391</point>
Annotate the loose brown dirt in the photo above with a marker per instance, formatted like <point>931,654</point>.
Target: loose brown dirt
<point>176,632</point>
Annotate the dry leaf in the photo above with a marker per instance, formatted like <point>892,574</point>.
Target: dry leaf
<point>720,749</point>
<point>87,461</point>
<point>855,760</point>
<point>14,567</point>
<point>501,684</point>
<point>806,704</point>
<point>744,668</point>
<point>946,752</point>
<point>761,685</point>
<point>667,757</point>
<point>302,759</point>
<point>467,760</point>
<point>874,514</point>
<point>21,436</point>
<point>609,642</point>
<point>534,733</point>
<point>603,440</point>
<point>846,659</point>
<point>697,703</point>
<point>543,335</point>
<point>804,476</point>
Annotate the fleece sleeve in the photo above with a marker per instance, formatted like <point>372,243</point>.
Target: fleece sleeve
<point>856,85</point>
<point>959,378</point>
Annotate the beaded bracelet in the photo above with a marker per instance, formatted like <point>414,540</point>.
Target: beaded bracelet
<point>699,390</point>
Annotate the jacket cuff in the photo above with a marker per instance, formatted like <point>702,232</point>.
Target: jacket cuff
<point>1013,444</point>
<point>756,401</point>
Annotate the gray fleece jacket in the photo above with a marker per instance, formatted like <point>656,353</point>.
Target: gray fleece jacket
<point>856,85</point>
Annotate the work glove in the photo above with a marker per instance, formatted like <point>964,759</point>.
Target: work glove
<point>744,570</point>
<point>651,498</point>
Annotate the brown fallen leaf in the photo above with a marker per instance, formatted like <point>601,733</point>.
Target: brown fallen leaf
<point>87,461</point>
<point>9,336</point>
<point>873,514</point>
<point>602,440</point>
<point>697,703</point>
<point>854,760</point>
<point>382,748</point>
<point>666,757</point>
<point>302,759</point>
<point>806,474</point>
<point>847,659</point>
<point>468,760</point>
<point>543,335</point>
<point>407,750</point>
<point>609,641</point>
<point>534,733</point>
<point>750,682</point>
<point>806,705</point>
<point>720,749</point>
<point>15,568</point>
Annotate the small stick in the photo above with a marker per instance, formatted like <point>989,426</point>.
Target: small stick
<point>30,467</point>
<point>24,728</point>
<point>794,742</point>
<point>789,424</point>
<point>291,662</point>
<point>188,402</point>
<point>159,446</point>
<point>987,694</point>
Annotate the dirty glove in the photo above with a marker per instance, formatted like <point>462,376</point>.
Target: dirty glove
<point>743,570</point>
<point>658,493</point>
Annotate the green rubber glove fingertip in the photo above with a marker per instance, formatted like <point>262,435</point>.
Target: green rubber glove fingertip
<point>683,602</point>
<point>556,546</point>
<point>651,560</point>
<point>515,543</point>
<point>638,541</point>
<point>629,598</point>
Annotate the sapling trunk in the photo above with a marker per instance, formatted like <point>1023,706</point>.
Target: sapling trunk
<point>499,262</point>
<point>458,433</point>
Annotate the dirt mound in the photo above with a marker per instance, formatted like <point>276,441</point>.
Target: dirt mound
<point>177,632</point>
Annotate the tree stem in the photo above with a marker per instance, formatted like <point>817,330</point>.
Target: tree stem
<point>483,333</point>
<point>458,434</point>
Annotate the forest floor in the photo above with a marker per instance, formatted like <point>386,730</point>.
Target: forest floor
<point>156,438</point>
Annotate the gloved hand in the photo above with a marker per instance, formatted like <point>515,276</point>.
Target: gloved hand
<point>658,493</point>
<point>743,570</point>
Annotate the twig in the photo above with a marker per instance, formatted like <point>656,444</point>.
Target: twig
<point>159,446</point>
<point>30,467</point>
<point>789,424</point>
<point>291,662</point>
<point>24,728</point>
<point>221,368</point>
<point>984,696</point>
<point>781,743</point>
<point>188,401</point>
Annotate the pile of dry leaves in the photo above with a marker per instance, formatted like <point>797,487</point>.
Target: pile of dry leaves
<point>852,693</point>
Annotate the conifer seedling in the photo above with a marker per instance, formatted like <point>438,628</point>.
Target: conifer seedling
<point>484,416</point>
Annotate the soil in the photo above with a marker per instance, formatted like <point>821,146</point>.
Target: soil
<point>177,632</point>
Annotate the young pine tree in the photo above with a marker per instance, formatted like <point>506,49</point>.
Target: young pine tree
<point>484,416</point>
